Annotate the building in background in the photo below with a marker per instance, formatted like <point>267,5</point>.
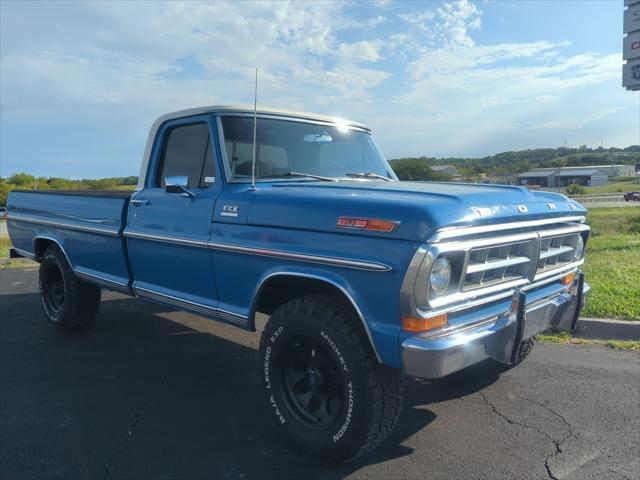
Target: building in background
<point>618,170</point>
<point>445,169</point>
<point>590,176</point>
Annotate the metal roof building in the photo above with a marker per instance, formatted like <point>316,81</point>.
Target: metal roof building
<point>561,177</point>
<point>446,169</point>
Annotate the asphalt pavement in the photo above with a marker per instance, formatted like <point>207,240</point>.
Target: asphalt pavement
<point>150,393</point>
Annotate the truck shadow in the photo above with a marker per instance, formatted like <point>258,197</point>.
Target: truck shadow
<point>150,393</point>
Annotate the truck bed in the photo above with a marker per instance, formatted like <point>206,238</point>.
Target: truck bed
<point>82,193</point>
<point>86,224</point>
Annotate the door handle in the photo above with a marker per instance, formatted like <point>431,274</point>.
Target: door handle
<point>138,202</point>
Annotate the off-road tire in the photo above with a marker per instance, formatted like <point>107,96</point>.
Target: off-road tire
<point>68,302</point>
<point>525,350</point>
<point>372,394</point>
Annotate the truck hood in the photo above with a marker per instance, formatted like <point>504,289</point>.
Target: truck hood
<point>421,207</point>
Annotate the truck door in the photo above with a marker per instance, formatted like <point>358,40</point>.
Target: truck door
<point>169,221</point>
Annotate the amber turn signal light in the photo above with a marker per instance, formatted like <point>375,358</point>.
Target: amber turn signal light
<point>412,324</point>
<point>382,226</point>
<point>568,280</point>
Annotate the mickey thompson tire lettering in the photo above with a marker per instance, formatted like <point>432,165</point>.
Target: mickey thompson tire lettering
<point>369,395</point>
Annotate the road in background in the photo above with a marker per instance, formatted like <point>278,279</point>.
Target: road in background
<point>147,392</point>
<point>3,229</point>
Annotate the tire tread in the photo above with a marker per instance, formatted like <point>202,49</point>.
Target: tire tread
<point>386,383</point>
<point>83,298</point>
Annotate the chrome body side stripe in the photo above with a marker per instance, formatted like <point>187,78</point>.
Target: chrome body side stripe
<point>302,257</point>
<point>337,261</point>
<point>166,239</point>
<point>198,308</point>
<point>102,281</point>
<point>54,223</point>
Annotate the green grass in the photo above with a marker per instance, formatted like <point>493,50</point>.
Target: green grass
<point>615,187</point>
<point>613,221</point>
<point>5,262</point>
<point>567,338</point>
<point>5,244</point>
<point>612,265</point>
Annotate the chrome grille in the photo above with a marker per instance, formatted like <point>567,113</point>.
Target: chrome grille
<point>500,263</point>
<point>556,251</point>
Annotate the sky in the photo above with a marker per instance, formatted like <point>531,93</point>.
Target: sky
<point>81,82</point>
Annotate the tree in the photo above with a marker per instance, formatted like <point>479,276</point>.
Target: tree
<point>522,166</point>
<point>415,169</point>
<point>22,180</point>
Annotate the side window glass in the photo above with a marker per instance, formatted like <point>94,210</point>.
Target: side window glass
<point>187,152</point>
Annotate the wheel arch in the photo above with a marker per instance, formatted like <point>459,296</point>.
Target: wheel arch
<point>277,288</point>
<point>40,244</point>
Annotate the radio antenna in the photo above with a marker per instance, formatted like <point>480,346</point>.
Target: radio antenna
<point>255,125</point>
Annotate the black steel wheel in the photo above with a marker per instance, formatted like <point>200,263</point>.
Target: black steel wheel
<point>53,292</point>
<point>313,386</point>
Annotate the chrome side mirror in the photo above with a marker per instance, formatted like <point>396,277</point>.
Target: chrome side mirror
<point>178,184</point>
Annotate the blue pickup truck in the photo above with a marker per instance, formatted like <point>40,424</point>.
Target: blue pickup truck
<point>365,279</point>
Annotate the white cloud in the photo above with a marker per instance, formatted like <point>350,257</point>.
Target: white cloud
<point>449,24</point>
<point>453,78</point>
<point>360,51</point>
<point>369,23</point>
<point>383,3</point>
<point>129,54</point>
<point>422,79</point>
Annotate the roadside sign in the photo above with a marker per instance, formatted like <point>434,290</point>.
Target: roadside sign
<point>631,74</point>
<point>631,46</point>
<point>632,18</point>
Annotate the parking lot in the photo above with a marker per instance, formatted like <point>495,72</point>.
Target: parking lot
<point>147,392</point>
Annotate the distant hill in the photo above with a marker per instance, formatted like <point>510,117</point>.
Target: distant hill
<point>523,160</point>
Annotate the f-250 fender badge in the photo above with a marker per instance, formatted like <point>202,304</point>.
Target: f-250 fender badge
<point>230,211</point>
<point>522,209</point>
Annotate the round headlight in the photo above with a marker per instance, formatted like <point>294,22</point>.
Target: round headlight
<point>440,276</point>
<point>578,252</point>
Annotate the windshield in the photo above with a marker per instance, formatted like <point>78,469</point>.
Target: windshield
<point>284,147</point>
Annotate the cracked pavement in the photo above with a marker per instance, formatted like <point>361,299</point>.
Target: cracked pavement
<point>148,392</point>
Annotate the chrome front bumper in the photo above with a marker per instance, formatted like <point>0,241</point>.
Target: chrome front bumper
<point>497,335</point>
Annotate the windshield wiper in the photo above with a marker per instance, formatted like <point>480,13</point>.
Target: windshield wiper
<point>368,175</point>
<point>299,174</point>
